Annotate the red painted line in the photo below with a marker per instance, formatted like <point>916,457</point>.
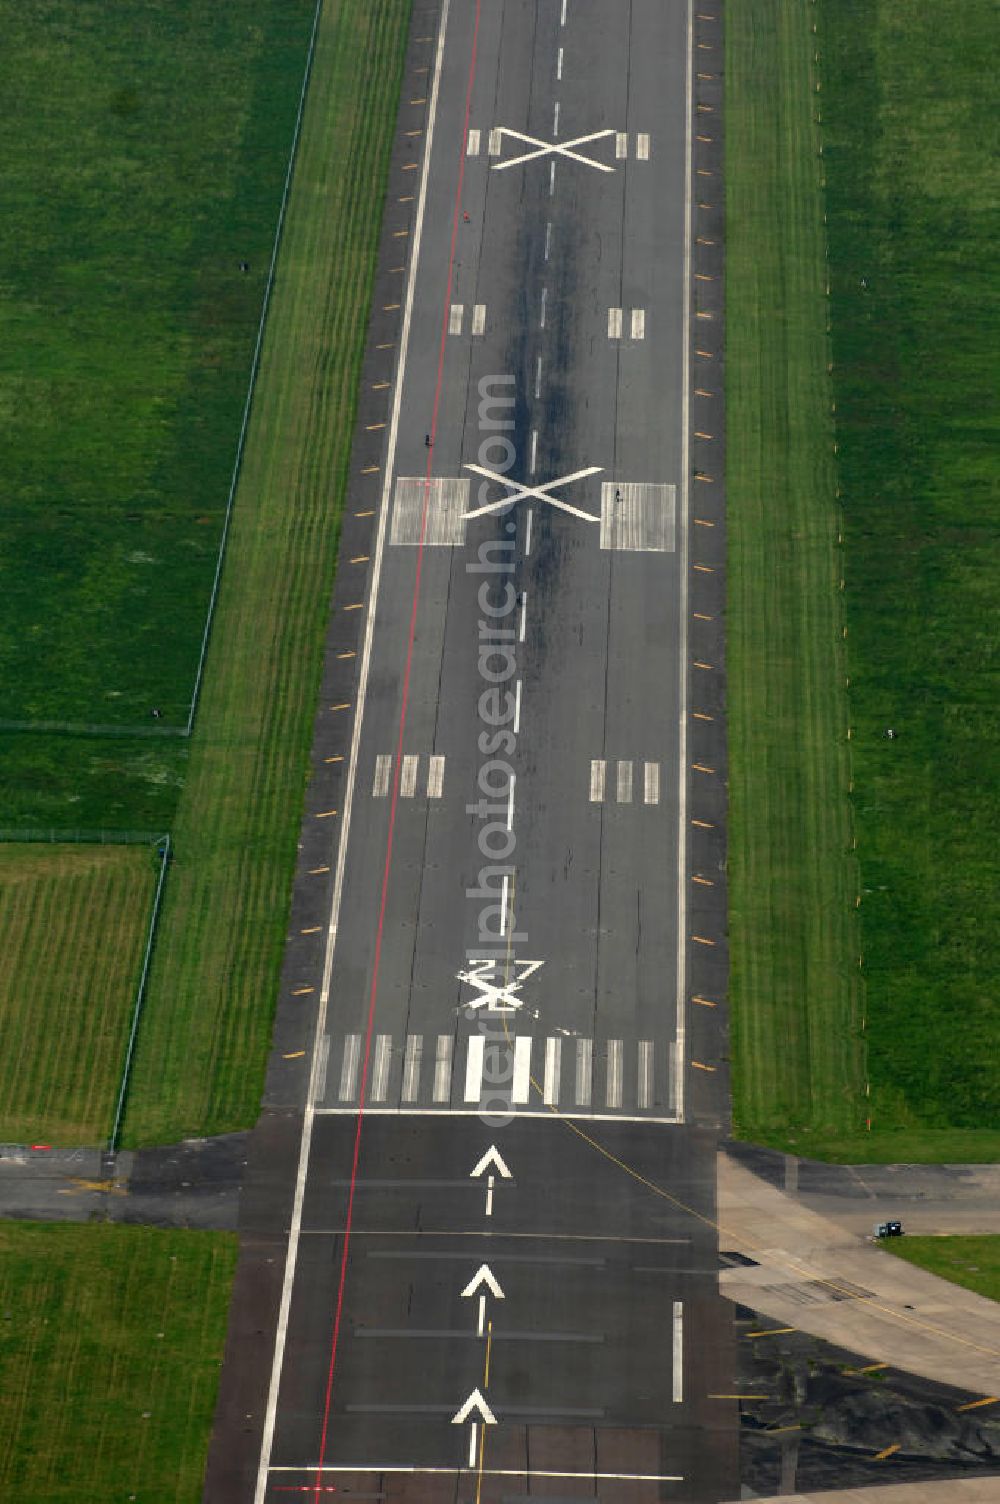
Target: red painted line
<point>318,1488</point>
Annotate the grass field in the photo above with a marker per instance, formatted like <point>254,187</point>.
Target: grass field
<point>109,1364</point>
<point>972,1262</point>
<point>161,136</point>
<point>798,1061</point>
<point>73,925</point>
<point>914,209</point>
<point>207,1024</point>
<point>898,383</point>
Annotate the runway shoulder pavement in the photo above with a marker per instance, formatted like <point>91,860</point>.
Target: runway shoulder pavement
<point>812,1273</point>
<point>955,1491</point>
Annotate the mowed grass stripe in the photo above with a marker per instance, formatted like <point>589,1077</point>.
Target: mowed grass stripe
<point>203,1045</point>
<point>110,1361</point>
<point>73,925</point>
<point>798,1061</point>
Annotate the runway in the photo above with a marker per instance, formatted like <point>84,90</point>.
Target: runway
<point>497,1250</point>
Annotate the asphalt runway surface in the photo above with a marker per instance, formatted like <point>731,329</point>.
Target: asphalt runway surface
<point>479,1253</point>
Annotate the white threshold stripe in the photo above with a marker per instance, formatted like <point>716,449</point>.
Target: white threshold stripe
<point>442,1068</point>
<point>381,1067</point>
<point>584,1071</point>
<point>295,1228</point>
<point>678,1353</point>
<point>553,1058</point>
<point>614,1082</point>
<point>383,773</point>
<point>435,777</point>
<point>474,1067</point>
<point>411,1067</point>
<point>408,776</point>
<point>522,1070</point>
<point>455,318</point>
<point>457,1472</point>
<point>597,772</point>
<point>349,1068</point>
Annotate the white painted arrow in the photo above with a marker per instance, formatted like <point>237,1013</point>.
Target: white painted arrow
<point>491,1157</point>
<point>474,1402</point>
<point>484,1275</point>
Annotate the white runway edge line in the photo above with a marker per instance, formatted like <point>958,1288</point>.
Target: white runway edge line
<point>295,1229</point>
<point>682,551</point>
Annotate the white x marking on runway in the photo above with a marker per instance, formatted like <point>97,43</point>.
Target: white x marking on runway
<point>540,493</point>
<point>544,148</point>
<point>497,997</point>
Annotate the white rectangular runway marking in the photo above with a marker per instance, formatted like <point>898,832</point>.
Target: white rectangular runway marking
<point>474,1067</point>
<point>562,14</point>
<point>552,177</point>
<point>446,502</point>
<point>584,1071</point>
<point>597,774</point>
<point>455,318</point>
<point>637,518</point>
<point>625,783</point>
<point>638,323</point>
<point>613,1097</point>
<point>642,146</point>
<point>380,1069</point>
<point>524,613</point>
<point>349,1067</point>
<point>614,323</point>
<point>321,1068</point>
<point>678,1345</point>
<point>383,773</point>
<point>442,1068</point>
<point>548,240</point>
<point>621,144</point>
<point>517,715</point>
<point>411,1067</point>
<point>553,1060</point>
<point>522,1070</point>
<point>527,533</point>
<point>559,63</point>
<point>555,120</point>
<point>479,319</point>
<point>534,450</point>
<point>408,776</point>
<point>651,783</point>
<point>494,141</point>
<point>435,777</point>
<point>644,1097</point>
<point>472,148</point>
<point>538,377</point>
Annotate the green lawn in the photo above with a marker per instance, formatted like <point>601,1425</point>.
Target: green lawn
<point>914,208</point>
<point>73,926</point>
<point>145,146</point>
<point>898,99</point>
<point>206,1029</point>
<point>972,1262</point>
<point>110,1351</point>
<point>797,1057</point>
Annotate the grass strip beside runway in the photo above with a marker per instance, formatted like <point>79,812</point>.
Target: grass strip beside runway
<point>206,1031</point>
<point>913,199</point>
<point>973,1262</point>
<point>73,925</point>
<point>109,1365</point>
<point>797,1058</point>
<point>862,223</point>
